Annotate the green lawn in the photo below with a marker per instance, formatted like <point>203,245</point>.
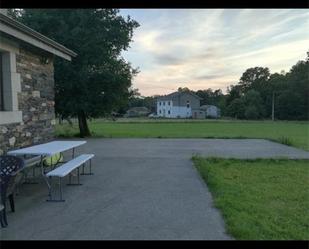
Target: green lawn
<point>291,133</point>
<point>263,199</point>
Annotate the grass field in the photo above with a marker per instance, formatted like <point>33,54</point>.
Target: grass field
<point>290,133</point>
<point>260,199</point>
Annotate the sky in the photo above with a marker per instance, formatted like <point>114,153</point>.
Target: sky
<point>211,48</point>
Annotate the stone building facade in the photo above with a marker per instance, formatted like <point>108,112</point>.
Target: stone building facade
<point>35,101</point>
<point>27,115</point>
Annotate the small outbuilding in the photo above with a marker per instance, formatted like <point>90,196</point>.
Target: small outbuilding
<point>211,111</point>
<point>137,112</point>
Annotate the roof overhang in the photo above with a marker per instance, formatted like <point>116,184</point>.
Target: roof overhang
<point>28,35</point>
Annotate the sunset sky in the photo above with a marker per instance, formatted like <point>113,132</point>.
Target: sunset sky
<point>211,48</point>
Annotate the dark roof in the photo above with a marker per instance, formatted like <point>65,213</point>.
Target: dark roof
<point>139,109</point>
<point>175,94</point>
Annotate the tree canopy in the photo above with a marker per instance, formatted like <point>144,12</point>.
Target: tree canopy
<point>289,91</point>
<point>98,80</point>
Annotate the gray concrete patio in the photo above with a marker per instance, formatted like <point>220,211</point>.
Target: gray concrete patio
<point>141,189</point>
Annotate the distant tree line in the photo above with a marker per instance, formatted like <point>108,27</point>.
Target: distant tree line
<point>254,95</point>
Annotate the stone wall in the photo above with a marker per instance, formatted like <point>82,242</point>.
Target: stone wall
<point>36,101</point>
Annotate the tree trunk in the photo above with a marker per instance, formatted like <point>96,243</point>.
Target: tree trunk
<point>83,126</point>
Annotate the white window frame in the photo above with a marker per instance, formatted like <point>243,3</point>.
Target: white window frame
<point>11,83</point>
<point>188,104</point>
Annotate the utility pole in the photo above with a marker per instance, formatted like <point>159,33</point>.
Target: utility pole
<point>273,108</point>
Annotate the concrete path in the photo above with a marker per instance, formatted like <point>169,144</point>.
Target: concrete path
<point>142,189</point>
<point>185,148</point>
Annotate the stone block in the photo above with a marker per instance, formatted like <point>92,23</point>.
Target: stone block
<point>36,94</point>
<point>28,76</point>
<point>4,130</point>
<point>12,141</point>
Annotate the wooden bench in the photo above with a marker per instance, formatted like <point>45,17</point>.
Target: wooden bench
<point>66,169</point>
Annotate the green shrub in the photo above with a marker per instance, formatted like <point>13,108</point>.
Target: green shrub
<point>286,141</point>
<point>251,112</point>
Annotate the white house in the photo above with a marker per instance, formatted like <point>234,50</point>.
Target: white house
<point>178,105</point>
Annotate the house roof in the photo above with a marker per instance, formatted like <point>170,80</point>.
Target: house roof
<point>22,32</point>
<point>175,94</point>
<point>139,109</point>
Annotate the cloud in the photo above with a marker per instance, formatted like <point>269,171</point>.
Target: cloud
<point>167,59</point>
<point>209,76</point>
<point>212,48</point>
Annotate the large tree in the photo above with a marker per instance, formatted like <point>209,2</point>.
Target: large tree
<point>98,80</point>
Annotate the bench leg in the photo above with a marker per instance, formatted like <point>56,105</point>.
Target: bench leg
<point>60,193</point>
<point>90,173</point>
<point>78,183</point>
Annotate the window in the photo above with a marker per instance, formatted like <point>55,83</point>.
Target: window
<point>188,103</point>
<point>160,103</point>
<point>9,88</point>
<point>169,112</point>
<point>160,111</point>
<point>163,102</point>
<point>169,103</point>
<point>1,85</point>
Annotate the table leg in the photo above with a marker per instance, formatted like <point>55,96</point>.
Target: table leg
<point>46,179</point>
<point>33,175</point>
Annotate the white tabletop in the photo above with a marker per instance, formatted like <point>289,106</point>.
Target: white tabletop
<point>47,149</point>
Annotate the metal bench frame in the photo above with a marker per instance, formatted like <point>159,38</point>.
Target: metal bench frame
<point>49,179</point>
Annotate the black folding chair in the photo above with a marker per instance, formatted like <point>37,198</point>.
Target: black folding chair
<point>9,169</point>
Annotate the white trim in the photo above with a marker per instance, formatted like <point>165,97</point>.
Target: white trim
<point>32,41</point>
<point>10,117</point>
<point>23,32</point>
<point>11,83</point>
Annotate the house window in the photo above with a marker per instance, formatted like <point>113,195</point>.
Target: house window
<point>160,103</point>
<point>163,102</point>
<point>169,112</point>
<point>160,111</point>
<point>188,103</point>
<point>9,88</point>
<point>169,103</point>
<point>1,85</point>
